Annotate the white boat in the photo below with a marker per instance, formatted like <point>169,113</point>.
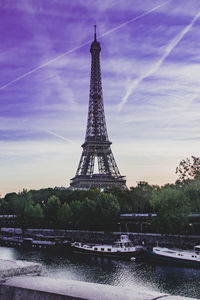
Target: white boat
<point>122,248</point>
<point>180,257</point>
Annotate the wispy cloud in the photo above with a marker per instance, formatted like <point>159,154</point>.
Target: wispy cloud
<point>135,18</point>
<point>82,45</point>
<point>59,136</point>
<point>157,65</point>
<point>46,109</point>
<point>43,65</point>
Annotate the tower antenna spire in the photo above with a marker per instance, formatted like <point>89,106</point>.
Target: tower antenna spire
<point>95,33</point>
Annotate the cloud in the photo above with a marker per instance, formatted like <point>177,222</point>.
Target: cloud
<point>48,108</point>
<point>82,45</point>
<point>43,65</point>
<point>59,136</point>
<point>157,65</point>
<point>135,18</point>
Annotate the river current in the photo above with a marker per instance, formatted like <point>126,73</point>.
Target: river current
<point>136,275</point>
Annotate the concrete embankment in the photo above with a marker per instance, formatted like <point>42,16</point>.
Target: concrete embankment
<point>13,287</point>
<point>151,239</point>
<point>10,268</point>
<point>50,238</point>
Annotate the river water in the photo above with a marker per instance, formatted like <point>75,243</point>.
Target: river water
<point>136,275</point>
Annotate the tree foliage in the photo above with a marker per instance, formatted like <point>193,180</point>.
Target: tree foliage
<point>96,210</point>
<point>33,215</point>
<point>64,215</point>
<point>140,197</point>
<point>107,211</point>
<point>172,207</point>
<point>188,168</point>
<point>51,211</point>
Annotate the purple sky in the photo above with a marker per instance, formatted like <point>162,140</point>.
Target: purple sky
<point>150,63</point>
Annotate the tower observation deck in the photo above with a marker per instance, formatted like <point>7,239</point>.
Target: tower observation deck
<point>97,146</point>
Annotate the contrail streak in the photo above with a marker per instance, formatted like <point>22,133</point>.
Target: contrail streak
<point>59,136</point>
<point>157,65</point>
<point>135,18</point>
<point>80,46</point>
<point>44,65</point>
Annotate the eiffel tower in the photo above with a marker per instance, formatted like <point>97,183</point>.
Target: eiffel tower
<point>97,145</point>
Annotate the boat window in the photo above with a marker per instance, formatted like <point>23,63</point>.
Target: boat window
<point>102,249</point>
<point>109,249</point>
<point>95,249</point>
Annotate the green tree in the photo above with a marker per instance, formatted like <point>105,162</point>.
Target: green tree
<point>123,197</point>
<point>21,202</point>
<point>9,206</point>
<point>172,207</point>
<point>64,216</point>
<point>191,189</point>
<point>87,216</point>
<point>76,214</point>
<point>34,215</point>
<point>4,207</point>
<point>188,168</point>
<point>107,211</point>
<point>51,211</point>
<point>140,197</point>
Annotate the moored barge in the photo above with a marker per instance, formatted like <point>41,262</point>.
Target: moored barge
<point>176,257</point>
<point>121,249</point>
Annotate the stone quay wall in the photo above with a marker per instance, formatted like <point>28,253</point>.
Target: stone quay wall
<point>32,286</point>
<point>150,239</point>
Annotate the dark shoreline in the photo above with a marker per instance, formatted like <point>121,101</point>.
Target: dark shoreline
<point>58,237</point>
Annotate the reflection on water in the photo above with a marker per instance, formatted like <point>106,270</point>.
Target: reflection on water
<point>137,276</point>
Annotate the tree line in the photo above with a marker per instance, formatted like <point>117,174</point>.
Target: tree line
<point>96,210</point>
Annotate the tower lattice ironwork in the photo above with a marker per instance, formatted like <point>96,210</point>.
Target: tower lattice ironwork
<point>96,147</point>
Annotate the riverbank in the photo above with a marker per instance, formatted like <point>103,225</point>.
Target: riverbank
<point>52,238</point>
<point>150,239</point>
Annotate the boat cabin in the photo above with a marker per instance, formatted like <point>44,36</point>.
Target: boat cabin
<point>197,249</point>
<point>123,242</point>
